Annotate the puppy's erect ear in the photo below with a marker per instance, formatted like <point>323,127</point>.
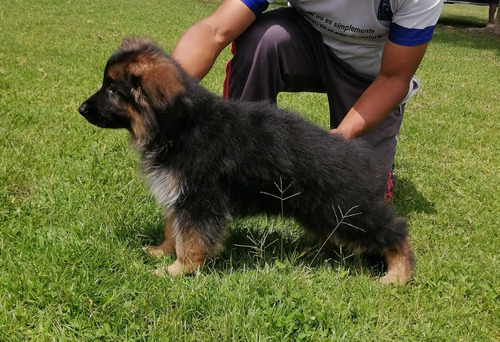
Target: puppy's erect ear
<point>154,79</point>
<point>162,83</point>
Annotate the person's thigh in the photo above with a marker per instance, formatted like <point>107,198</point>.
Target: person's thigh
<point>281,51</point>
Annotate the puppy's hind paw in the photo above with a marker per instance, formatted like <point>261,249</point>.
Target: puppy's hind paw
<point>399,265</point>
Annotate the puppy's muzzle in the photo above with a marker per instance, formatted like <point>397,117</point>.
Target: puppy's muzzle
<point>84,109</point>
<point>90,115</point>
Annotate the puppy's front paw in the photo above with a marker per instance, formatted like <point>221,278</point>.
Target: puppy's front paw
<point>178,268</point>
<point>160,271</point>
<point>174,270</point>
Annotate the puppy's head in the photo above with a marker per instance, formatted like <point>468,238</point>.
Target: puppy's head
<point>140,83</point>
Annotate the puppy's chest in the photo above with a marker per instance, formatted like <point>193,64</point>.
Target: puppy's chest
<point>165,186</point>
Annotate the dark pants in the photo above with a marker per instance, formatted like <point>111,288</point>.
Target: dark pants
<point>281,51</point>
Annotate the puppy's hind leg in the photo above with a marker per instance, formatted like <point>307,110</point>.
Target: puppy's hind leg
<point>399,264</point>
<point>167,247</point>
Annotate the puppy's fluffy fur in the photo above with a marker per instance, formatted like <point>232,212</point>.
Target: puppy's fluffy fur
<point>208,160</point>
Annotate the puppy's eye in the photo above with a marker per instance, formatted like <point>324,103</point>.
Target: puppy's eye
<point>112,90</point>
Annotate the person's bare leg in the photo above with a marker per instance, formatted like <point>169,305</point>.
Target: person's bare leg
<point>491,14</point>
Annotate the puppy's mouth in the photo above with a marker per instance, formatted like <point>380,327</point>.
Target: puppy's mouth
<point>103,121</point>
<point>97,123</point>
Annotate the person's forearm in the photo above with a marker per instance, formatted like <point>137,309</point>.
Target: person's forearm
<point>387,91</point>
<point>197,50</point>
<point>383,95</point>
<point>201,44</point>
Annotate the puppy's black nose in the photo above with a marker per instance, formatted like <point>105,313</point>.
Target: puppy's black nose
<point>83,109</point>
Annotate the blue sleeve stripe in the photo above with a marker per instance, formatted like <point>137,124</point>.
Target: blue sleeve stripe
<point>410,37</point>
<point>256,6</point>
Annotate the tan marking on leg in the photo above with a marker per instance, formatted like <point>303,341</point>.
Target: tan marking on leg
<point>167,247</point>
<point>399,265</point>
<point>191,253</point>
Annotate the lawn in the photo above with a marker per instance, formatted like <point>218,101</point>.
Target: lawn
<point>75,211</point>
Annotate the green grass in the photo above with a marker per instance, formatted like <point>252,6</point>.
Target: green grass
<point>75,212</point>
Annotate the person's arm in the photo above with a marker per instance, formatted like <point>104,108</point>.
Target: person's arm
<point>200,45</point>
<point>398,65</point>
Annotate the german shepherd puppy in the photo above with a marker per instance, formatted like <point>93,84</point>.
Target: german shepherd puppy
<point>208,160</point>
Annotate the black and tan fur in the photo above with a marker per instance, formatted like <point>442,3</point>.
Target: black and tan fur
<point>208,160</point>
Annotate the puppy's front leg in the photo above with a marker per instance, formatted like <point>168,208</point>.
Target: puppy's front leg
<point>191,254</point>
<point>167,247</point>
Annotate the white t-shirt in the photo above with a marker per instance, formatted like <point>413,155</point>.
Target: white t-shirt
<point>356,30</point>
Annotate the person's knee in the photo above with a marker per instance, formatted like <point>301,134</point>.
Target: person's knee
<point>263,42</point>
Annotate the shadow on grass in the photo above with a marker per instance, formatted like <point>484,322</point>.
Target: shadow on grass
<point>253,247</point>
<point>260,243</point>
<point>408,200</point>
<point>460,22</point>
<point>461,32</point>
